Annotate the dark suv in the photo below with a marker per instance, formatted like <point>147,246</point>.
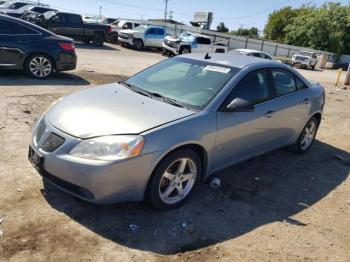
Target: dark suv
<point>39,52</point>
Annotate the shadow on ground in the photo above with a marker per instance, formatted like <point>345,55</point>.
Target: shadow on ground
<point>108,47</point>
<point>19,78</point>
<point>267,189</point>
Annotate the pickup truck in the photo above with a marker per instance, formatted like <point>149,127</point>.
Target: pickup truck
<point>189,42</point>
<point>142,36</point>
<point>72,25</point>
<point>305,59</point>
<point>119,25</point>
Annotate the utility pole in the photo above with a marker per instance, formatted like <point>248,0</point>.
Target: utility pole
<point>171,15</point>
<point>100,11</point>
<point>166,9</point>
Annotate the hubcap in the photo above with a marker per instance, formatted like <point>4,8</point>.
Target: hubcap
<point>40,66</point>
<point>177,181</point>
<point>308,136</point>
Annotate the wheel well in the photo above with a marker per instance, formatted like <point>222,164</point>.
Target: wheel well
<point>40,53</point>
<point>185,46</point>
<point>139,40</point>
<point>318,117</point>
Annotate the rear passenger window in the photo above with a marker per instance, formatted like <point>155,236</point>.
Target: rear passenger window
<point>254,88</point>
<point>10,28</point>
<point>284,82</point>
<point>300,84</point>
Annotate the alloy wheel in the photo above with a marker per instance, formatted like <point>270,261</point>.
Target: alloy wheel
<point>308,135</point>
<point>40,66</point>
<point>177,181</point>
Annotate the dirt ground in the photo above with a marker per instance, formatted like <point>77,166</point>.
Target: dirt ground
<point>277,207</point>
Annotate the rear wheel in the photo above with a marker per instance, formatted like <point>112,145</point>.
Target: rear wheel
<point>307,136</point>
<point>98,40</point>
<point>174,180</point>
<point>39,66</point>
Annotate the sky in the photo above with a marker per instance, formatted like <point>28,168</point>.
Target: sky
<point>234,13</point>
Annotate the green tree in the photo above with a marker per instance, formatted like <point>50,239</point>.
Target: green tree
<point>252,32</point>
<point>277,22</point>
<point>222,28</point>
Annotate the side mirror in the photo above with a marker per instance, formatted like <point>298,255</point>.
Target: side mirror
<point>240,105</point>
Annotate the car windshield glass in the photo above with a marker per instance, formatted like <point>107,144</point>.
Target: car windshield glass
<point>189,83</point>
<point>49,14</point>
<point>305,53</point>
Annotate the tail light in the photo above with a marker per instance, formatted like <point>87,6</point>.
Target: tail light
<point>67,46</point>
<point>110,29</point>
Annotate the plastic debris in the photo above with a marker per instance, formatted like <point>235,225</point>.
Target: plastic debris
<point>1,233</point>
<point>2,220</point>
<point>18,189</point>
<point>134,227</point>
<point>215,183</point>
<point>257,178</point>
<point>184,225</point>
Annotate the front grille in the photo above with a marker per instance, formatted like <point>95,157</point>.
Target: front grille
<point>124,36</point>
<point>40,130</point>
<point>170,43</point>
<point>52,142</point>
<point>300,58</point>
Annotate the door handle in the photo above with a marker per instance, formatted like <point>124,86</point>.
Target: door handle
<point>306,101</point>
<point>269,114</point>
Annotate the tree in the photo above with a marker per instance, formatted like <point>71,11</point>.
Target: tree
<point>277,22</point>
<point>222,28</point>
<point>252,32</point>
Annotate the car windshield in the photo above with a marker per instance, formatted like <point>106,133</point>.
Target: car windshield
<point>49,14</point>
<point>305,53</point>
<point>190,83</point>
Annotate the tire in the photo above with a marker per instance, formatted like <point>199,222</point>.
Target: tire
<point>39,66</point>
<point>313,67</point>
<point>138,44</point>
<point>167,179</point>
<point>98,40</point>
<point>302,146</point>
<point>184,50</point>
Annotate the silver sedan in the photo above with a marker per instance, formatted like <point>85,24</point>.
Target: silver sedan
<point>160,132</point>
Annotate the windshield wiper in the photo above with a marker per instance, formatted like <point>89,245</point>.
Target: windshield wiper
<point>136,89</point>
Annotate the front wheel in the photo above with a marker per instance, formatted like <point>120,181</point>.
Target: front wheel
<point>307,136</point>
<point>138,44</point>
<point>185,51</point>
<point>39,66</point>
<point>174,180</point>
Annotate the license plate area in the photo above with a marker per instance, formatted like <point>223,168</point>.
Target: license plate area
<point>36,160</point>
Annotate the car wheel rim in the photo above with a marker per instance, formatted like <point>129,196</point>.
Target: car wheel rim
<point>177,181</point>
<point>308,136</point>
<point>40,66</point>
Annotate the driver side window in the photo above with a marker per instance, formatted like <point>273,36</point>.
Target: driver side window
<point>253,88</point>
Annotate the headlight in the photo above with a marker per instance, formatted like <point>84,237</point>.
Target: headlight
<point>109,147</point>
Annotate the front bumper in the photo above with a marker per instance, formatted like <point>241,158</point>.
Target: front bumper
<point>93,180</point>
<point>126,41</point>
<point>169,49</point>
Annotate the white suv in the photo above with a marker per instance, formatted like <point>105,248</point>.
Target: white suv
<point>306,59</point>
<point>119,25</point>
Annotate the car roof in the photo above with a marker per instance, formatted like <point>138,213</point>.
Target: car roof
<point>233,60</point>
<point>23,22</point>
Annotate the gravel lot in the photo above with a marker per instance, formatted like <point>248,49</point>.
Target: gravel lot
<point>279,206</point>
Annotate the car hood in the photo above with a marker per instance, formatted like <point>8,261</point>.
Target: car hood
<point>128,31</point>
<point>172,38</point>
<point>110,110</point>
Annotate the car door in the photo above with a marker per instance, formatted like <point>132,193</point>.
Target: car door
<point>290,108</point>
<point>242,135</point>
<point>15,39</point>
<point>58,23</point>
<point>154,37</point>
<point>203,45</point>
<point>74,27</point>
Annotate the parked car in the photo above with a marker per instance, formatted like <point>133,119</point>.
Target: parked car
<point>189,42</point>
<point>121,25</point>
<point>142,36</point>
<point>2,2</point>
<point>72,25</point>
<point>14,5</point>
<point>306,59</point>
<point>39,52</point>
<point>108,20</point>
<point>21,12</point>
<point>251,52</point>
<point>160,132</point>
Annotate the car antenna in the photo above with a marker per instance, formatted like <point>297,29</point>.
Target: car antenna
<point>207,56</point>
